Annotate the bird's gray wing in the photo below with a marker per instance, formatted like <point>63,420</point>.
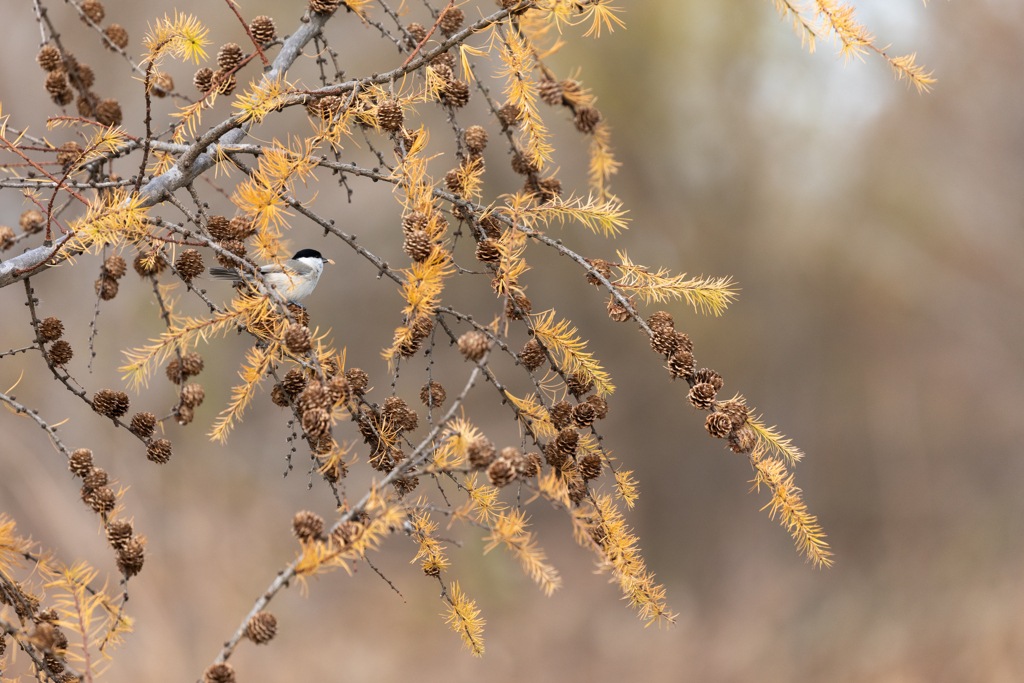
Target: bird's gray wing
<point>297,268</point>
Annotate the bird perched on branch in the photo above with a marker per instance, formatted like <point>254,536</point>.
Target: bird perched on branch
<point>295,279</point>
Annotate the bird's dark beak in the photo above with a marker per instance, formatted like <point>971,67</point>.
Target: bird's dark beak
<point>327,260</point>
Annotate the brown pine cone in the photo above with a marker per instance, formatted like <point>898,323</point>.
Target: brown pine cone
<point>192,395</point>
<point>68,154</point>
<point>263,29</point>
<point>294,382</point>
<point>550,91</point>
<point>358,381</point>
<point>517,307</point>
<point>225,84</point>
<point>476,139</point>
<point>117,35</point>
<point>86,75</point>
<point>6,238</point>
<point>236,247</point>
<point>488,251</point>
<point>115,267</point>
<point>579,384</point>
<point>414,221</point>
<point>554,457</point>
<point>544,190</point>
<point>680,364</point>
<point>112,404</point>
<point>51,329</point>
<point>106,288</point>
<point>418,246</point>
<point>262,628</point>
<point>219,228</point>
<point>203,80</point>
<point>474,345</point>
<point>131,557</point>
<point>661,319</point>
<point>736,411</point>
<point>531,466</point>
<point>94,10</point>
<point>241,228</point>
<point>119,532</point>
<point>390,116</point>
<point>108,112</point>
<point>481,454</point>
<point>299,314</point>
<point>602,267</point>
<point>190,264</point>
<point>191,364</point>
<point>64,98</point>
<point>501,473</point>
<point>56,83</point>
<point>577,490</point>
<point>523,165</point>
<point>229,56</point>
<point>159,451</point>
<point>338,389</point>
<point>97,478</point>
<point>590,466</point>
<point>664,340</point>
<point>307,526</point>
<point>567,441</point>
<point>561,414</point>
<point>683,341</point>
<point>224,672</point>
<point>185,415</point>
<point>297,338</point>
<point>710,376</point>
<point>455,94</point>
<point>316,422</point>
<point>451,21</point>
<point>702,396</point>
<point>163,84</point>
<point>143,424</point>
<point>446,58</point>
<point>279,396</point>
<point>718,425</point>
<point>100,500</point>
<point>509,115</point>
<point>587,119</point>
<point>583,415</point>
<point>600,406</point>
<point>742,440</point>
<point>421,327</point>
<point>491,226</point>
<point>532,356</point>
<point>32,221</point>
<point>145,266</point>
<point>405,485</point>
<point>433,395</point>
<point>315,397</point>
<point>418,33</point>
<point>409,347</point>
<point>49,58</point>
<point>80,462</point>
<point>393,409</point>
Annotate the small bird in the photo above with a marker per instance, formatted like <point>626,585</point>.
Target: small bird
<point>295,281</point>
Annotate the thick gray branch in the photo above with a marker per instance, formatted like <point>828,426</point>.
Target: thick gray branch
<point>177,177</point>
<point>17,269</point>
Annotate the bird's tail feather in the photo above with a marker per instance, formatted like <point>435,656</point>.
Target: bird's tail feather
<point>225,274</point>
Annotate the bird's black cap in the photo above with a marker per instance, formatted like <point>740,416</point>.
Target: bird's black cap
<point>308,253</point>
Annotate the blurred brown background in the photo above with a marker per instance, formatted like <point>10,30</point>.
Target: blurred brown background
<point>876,235</point>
